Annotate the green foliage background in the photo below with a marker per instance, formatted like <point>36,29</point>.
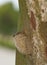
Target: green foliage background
<point>8,19</point>
<point>8,23</point>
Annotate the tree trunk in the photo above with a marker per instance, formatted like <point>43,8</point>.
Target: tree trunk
<point>35,35</point>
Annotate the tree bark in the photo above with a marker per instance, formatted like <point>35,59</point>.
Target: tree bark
<point>38,46</point>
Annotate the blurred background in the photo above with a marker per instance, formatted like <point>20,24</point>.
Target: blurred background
<point>9,13</point>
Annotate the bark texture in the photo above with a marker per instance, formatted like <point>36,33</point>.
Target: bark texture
<point>35,27</point>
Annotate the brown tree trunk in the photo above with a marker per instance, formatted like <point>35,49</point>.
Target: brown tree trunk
<point>33,31</point>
